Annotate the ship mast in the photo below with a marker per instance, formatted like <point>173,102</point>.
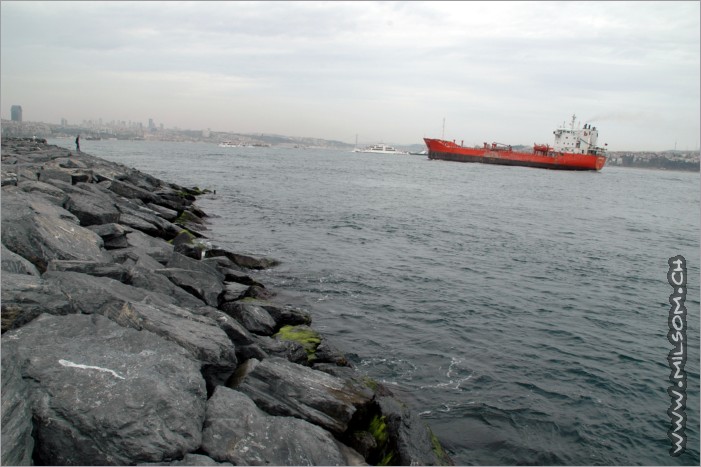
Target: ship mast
<point>574,117</point>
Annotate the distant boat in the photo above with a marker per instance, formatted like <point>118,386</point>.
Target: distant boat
<point>380,149</point>
<point>234,144</point>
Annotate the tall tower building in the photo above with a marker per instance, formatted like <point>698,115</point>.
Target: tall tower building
<point>16,113</point>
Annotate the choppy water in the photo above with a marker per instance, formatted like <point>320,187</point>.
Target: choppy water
<point>522,312</point>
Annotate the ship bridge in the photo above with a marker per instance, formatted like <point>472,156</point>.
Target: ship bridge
<point>577,140</point>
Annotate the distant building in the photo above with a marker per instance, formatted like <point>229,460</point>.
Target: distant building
<point>16,113</point>
<point>151,125</point>
<point>206,133</point>
<point>64,122</point>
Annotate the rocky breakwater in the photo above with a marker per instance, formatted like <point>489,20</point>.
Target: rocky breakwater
<point>125,341</point>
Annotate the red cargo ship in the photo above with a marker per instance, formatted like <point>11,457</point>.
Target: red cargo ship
<point>574,149</point>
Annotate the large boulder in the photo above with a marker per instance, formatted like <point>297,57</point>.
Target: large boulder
<point>90,205</point>
<point>165,213</point>
<point>198,334</point>
<point>112,270</point>
<point>91,210</point>
<point>206,287</point>
<point>145,310</point>
<point>40,231</point>
<point>191,460</point>
<point>237,431</point>
<point>17,441</point>
<point>254,318</point>
<point>136,257</point>
<point>287,389</point>
<point>91,294</point>
<point>181,261</point>
<point>113,235</point>
<point>25,297</point>
<point>148,279</point>
<point>15,264</point>
<point>146,220</point>
<point>410,438</point>
<point>53,194</point>
<point>284,315</point>
<point>130,191</point>
<point>245,261</point>
<point>103,394</point>
<point>157,248</point>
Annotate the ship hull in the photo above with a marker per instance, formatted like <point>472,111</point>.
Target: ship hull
<point>446,150</point>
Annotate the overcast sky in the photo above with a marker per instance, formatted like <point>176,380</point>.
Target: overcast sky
<point>390,72</point>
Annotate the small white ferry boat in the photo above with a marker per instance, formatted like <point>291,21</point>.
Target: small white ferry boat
<point>380,149</point>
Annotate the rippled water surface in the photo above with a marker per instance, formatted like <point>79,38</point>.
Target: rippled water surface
<point>522,312</point>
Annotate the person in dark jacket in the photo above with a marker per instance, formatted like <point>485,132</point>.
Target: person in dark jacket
<point>77,143</point>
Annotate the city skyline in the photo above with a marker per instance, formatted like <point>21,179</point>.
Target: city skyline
<point>394,72</point>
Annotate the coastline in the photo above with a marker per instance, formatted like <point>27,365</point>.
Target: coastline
<point>160,345</point>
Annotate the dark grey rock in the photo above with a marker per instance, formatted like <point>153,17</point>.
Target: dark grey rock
<point>139,179</point>
<point>327,353</point>
<point>191,460</point>
<point>206,287</point>
<point>25,297</point>
<point>244,261</point>
<point>130,191</point>
<point>231,271</point>
<point>147,310</point>
<point>138,223</point>
<point>258,292</point>
<point>286,315</point>
<point>246,344</point>
<point>291,351</point>
<point>157,226</point>
<point>91,210</point>
<point>191,222</point>
<point>39,231</point>
<point>409,435</point>
<point>232,275</point>
<point>113,235</point>
<point>70,163</point>
<point>283,388</point>
<point>183,238</point>
<point>165,213</point>
<point>81,176</point>
<point>254,318</point>
<point>17,440</point>
<point>15,264</point>
<point>9,178</point>
<point>233,291</point>
<point>191,250</point>
<point>171,200</point>
<point>198,334</point>
<point>92,268</point>
<point>237,431</point>
<point>90,294</point>
<point>48,174</point>
<point>51,193</point>
<point>135,257</point>
<point>157,248</point>
<point>178,260</point>
<point>103,394</point>
<point>149,280</point>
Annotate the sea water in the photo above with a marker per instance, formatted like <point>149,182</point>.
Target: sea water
<point>523,313</point>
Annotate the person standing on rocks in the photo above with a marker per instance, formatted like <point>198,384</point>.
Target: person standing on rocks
<point>77,143</point>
